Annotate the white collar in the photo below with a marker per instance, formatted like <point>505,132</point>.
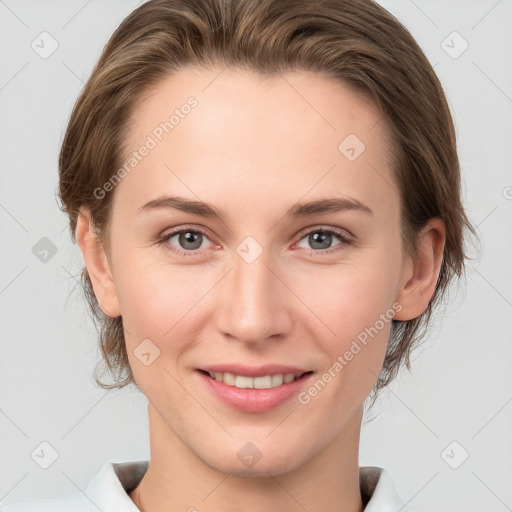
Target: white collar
<point>108,492</point>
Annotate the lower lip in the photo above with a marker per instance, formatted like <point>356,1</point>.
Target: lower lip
<point>254,400</point>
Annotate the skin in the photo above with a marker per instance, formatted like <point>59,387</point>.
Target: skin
<point>254,147</point>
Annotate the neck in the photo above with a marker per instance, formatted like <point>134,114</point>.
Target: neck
<point>177,479</point>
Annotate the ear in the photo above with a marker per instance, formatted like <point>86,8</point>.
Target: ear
<point>97,265</point>
<point>420,276</point>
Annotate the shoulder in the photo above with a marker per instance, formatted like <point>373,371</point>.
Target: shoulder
<point>378,491</point>
<point>108,490</point>
<point>76,502</point>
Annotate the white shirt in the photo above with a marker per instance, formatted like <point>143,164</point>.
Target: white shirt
<point>108,492</point>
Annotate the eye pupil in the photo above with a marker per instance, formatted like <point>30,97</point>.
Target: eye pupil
<point>320,238</point>
<point>190,237</point>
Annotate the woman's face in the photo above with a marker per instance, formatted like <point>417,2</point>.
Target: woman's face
<point>257,234</point>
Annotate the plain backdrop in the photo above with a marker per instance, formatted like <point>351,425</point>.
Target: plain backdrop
<point>442,431</point>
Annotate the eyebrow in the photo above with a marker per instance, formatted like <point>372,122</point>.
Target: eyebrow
<point>310,208</point>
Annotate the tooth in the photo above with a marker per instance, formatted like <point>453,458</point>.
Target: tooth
<point>244,382</point>
<point>263,382</point>
<point>229,379</point>
<point>277,380</point>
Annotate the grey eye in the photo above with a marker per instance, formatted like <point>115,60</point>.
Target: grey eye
<point>320,240</point>
<point>190,240</point>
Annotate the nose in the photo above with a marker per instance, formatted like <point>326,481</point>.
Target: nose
<point>254,304</point>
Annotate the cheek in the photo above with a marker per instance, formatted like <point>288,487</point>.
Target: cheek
<point>355,312</point>
<point>159,303</point>
<point>159,300</point>
<point>353,295</point>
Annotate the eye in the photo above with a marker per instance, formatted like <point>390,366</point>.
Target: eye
<point>187,241</point>
<point>184,241</point>
<point>321,240</point>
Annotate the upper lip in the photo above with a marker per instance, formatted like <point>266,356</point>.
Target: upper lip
<point>254,371</point>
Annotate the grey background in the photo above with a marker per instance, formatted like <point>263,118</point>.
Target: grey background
<point>460,387</point>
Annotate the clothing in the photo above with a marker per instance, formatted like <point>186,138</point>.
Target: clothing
<point>108,492</point>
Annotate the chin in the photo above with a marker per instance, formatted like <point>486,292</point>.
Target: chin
<point>264,466</point>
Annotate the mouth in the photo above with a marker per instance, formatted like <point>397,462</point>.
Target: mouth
<point>254,389</point>
<point>260,382</point>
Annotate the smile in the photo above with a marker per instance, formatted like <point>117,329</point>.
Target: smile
<point>263,382</point>
<point>254,390</point>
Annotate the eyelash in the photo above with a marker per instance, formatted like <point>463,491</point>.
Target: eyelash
<point>344,240</point>
<point>163,240</point>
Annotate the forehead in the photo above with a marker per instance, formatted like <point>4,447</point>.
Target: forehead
<point>248,100</point>
<point>298,131</point>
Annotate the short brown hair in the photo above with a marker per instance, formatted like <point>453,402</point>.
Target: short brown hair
<point>356,42</point>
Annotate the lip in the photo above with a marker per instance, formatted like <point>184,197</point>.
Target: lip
<point>254,371</point>
<point>254,400</point>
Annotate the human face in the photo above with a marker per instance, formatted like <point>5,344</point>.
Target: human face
<point>254,286</point>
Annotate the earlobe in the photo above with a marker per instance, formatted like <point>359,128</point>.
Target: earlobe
<point>420,277</point>
<point>97,265</point>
